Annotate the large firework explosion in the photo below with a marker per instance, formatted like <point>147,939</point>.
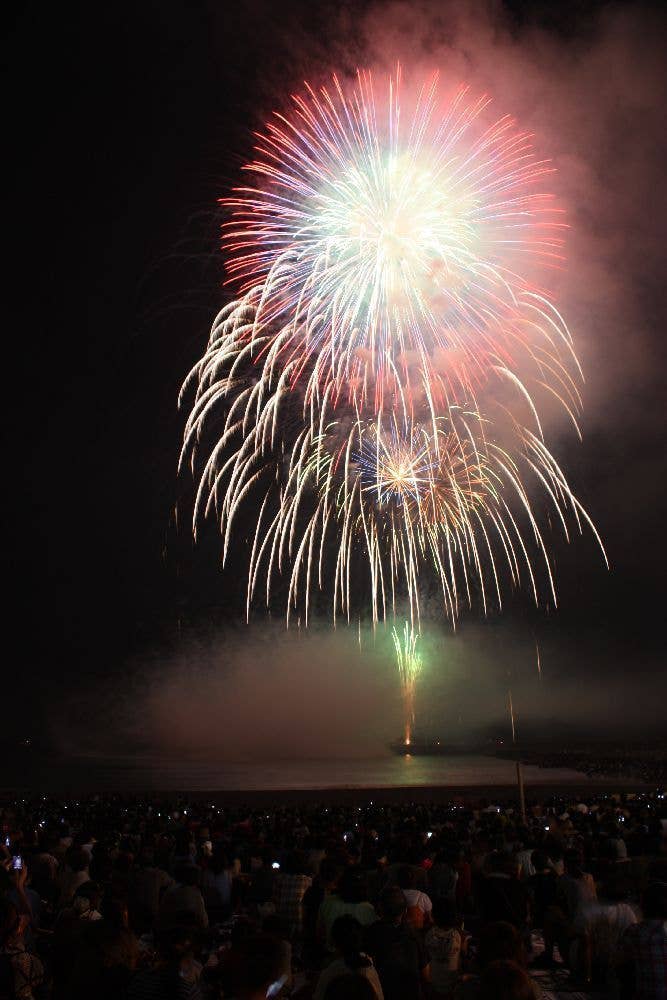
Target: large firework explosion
<point>373,391</point>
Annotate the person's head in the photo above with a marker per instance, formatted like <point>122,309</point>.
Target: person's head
<point>88,897</point>
<point>259,965</point>
<point>350,987</point>
<point>296,863</point>
<point>539,860</point>
<point>448,855</point>
<point>184,844</point>
<point>12,923</point>
<point>177,943</point>
<point>617,890</point>
<point>505,980</point>
<point>406,877</point>
<point>346,934</point>
<point>117,910</point>
<point>445,914</point>
<point>76,859</point>
<point>499,863</point>
<point>115,946</point>
<point>573,863</point>
<point>187,875</point>
<point>330,872</point>
<point>242,928</point>
<point>392,904</point>
<point>274,925</point>
<point>219,860</point>
<point>500,940</point>
<point>353,886</point>
<point>654,901</point>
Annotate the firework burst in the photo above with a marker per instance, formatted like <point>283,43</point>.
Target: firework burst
<point>373,389</point>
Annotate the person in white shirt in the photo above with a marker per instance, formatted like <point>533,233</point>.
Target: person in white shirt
<point>418,903</point>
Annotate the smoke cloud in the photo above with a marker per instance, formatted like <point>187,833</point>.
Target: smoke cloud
<point>264,693</point>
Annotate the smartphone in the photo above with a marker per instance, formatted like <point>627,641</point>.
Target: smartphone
<point>275,988</point>
<point>429,834</point>
<point>275,864</point>
<point>17,863</point>
<point>7,841</point>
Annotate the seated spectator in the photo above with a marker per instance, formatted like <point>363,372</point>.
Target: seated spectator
<point>85,905</point>
<point>350,898</point>
<point>443,877</point>
<point>350,987</point>
<point>506,980</point>
<point>642,957</point>
<point>176,973</point>
<point>257,970</point>
<point>21,973</point>
<point>501,896</point>
<point>419,906</point>
<point>273,925</point>
<point>612,844</point>
<point>104,964</point>
<point>346,934</point>
<point>524,855</point>
<point>26,901</point>
<point>216,885</point>
<point>74,874</point>
<point>546,914</point>
<point>43,869</point>
<point>69,931</point>
<point>576,888</point>
<point>289,888</point>
<point>602,923</point>
<point>262,879</point>
<point>500,940</point>
<point>397,952</point>
<point>575,893</point>
<point>148,885</point>
<point>463,870</point>
<point>183,897</point>
<point>498,943</point>
<point>323,885</point>
<point>445,946</point>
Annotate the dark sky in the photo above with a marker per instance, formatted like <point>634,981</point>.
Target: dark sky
<point>126,123</point>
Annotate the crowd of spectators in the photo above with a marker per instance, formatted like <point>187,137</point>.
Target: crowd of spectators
<point>123,898</point>
<point>648,767</point>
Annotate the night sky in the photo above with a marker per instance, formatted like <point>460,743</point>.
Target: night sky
<point>125,125</point>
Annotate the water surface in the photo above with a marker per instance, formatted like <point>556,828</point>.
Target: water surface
<point>212,772</point>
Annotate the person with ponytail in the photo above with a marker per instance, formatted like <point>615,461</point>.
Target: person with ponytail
<point>346,935</point>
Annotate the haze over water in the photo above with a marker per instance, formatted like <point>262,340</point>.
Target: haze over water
<point>211,772</point>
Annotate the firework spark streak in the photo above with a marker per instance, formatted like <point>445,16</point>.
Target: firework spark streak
<point>373,391</point>
<point>409,663</point>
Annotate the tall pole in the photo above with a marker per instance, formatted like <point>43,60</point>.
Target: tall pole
<point>519,769</point>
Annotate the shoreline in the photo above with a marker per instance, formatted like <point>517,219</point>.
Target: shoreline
<point>355,795</point>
